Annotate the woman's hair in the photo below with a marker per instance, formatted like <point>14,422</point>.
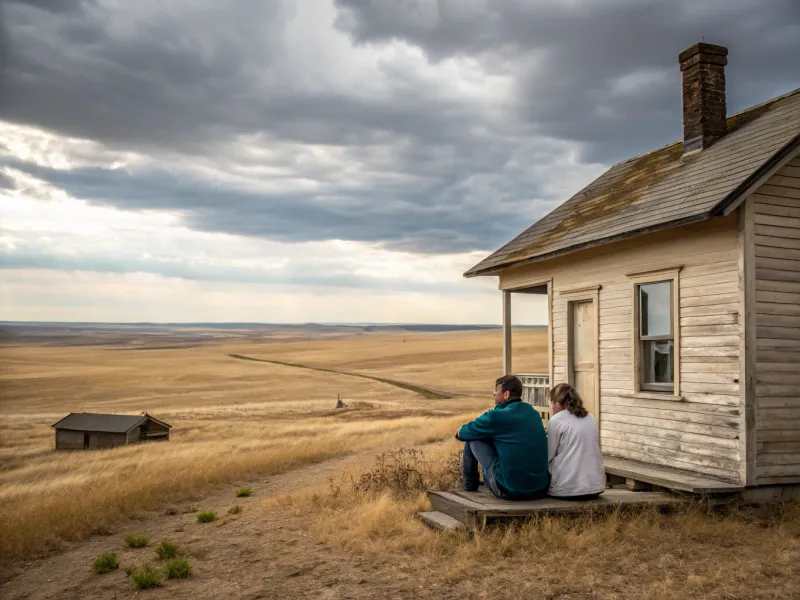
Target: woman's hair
<point>568,397</point>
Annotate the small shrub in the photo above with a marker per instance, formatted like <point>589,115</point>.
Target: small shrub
<point>129,570</point>
<point>244,492</point>
<point>206,516</point>
<point>406,472</point>
<point>235,509</point>
<point>146,576</point>
<point>136,541</point>
<point>178,568</point>
<point>166,549</point>
<point>105,563</point>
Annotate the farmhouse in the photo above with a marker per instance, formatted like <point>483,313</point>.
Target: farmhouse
<point>673,291</point>
<point>90,430</point>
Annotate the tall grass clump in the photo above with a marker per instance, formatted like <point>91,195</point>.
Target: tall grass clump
<point>178,568</point>
<point>166,549</point>
<point>105,563</point>
<point>136,541</point>
<point>146,576</point>
<point>406,472</point>
<point>244,492</point>
<point>206,516</point>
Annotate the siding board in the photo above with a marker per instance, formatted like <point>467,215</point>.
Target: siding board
<point>700,434</point>
<point>777,259</point>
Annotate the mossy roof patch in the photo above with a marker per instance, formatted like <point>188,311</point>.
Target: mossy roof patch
<point>657,188</point>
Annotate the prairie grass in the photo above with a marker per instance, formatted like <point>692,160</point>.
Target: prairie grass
<point>136,541</point>
<point>244,492</point>
<point>67,496</point>
<point>105,563</point>
<point>232,420</point>
<point>206,516</point>
<point>235,509</point>
<point>166,549</point>
<point>178,568</point>
<point>733,552</point>
<point>147,576</point>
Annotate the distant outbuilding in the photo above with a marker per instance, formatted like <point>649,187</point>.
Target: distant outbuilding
<point>91,430</point>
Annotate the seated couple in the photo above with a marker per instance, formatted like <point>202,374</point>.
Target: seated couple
<point>521,462</point>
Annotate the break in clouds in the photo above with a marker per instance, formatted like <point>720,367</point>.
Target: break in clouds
<point>416,128</point>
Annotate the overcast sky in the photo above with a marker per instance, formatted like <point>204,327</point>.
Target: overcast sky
<point>327,160</point>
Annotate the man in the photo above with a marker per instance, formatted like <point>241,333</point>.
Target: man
<point>510,444</point>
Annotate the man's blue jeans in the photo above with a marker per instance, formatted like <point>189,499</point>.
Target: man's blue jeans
<point>483,453</point>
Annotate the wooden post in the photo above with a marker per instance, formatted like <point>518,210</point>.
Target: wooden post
<point>506,332</point>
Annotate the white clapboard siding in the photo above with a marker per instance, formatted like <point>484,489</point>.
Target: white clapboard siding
<point>777,309</point>
<point>702,433</point>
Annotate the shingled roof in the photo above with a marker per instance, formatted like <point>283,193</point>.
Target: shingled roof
<point>101,422</point>
<point>661,189</point>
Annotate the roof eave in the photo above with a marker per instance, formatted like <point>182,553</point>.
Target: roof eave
<point>757,178</point>
<point>496,269</point>
<point>724,207</point>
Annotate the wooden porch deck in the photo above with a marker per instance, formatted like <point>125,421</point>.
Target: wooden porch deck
<point>668,477</point>
<point>474,510</point>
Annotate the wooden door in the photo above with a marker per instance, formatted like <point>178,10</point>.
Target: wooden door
<point>583,352</point>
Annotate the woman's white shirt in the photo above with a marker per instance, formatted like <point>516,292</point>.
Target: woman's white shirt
<point>576,465</point>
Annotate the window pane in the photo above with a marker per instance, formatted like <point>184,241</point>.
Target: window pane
<point>657,361</point>
<point>655,308</point>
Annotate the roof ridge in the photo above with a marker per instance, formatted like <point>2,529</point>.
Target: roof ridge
<point>731,116</point>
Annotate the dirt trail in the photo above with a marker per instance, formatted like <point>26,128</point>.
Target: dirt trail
<point>426,392</point>
<point>259,553</point>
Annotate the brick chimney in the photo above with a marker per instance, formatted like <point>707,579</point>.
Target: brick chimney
<point>703,74</point>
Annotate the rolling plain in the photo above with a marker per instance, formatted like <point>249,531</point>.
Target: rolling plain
<point>332,509</point>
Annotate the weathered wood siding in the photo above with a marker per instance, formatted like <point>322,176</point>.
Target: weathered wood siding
<point>69,440</point>
<point>103,439</point>
<point>777,314</point>
<point>702,433</point>
<point>134,435</point>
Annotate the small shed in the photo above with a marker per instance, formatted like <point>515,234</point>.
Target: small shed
<point>673,294</point>
<point>92,430</point>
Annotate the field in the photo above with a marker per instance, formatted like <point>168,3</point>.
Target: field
<point>315,525</point>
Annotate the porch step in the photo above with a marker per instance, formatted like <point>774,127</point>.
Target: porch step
<point>667,477</point>
<point>440,521</point>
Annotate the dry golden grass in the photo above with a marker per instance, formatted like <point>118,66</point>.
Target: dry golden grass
<point>236,419</point>
<point>232,419</point>
<point>735,553</point>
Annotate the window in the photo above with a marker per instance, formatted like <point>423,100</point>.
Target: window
<point>656,337</point>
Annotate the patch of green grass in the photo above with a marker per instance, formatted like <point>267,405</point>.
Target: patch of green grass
<point>178,568</point>
<point>166,549</point>
<point>244,492</point>
<point>105,563</point>
<point>206,516</point>
<point>234,510</point>
<point>146,576</point>
<point>136,541</point>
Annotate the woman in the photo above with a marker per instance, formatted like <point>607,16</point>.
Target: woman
<point>576,466</point>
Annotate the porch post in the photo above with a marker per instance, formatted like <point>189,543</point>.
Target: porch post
<point>506,332</point>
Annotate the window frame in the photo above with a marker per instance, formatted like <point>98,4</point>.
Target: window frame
<point>671,275</point>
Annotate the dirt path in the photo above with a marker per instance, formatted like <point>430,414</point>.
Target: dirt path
<point>259,553</point>
<point>426,392</point>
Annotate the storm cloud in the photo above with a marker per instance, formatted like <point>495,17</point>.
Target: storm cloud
<point>416,125</point>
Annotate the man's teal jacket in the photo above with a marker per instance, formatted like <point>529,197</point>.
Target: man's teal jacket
<point>516,431</point>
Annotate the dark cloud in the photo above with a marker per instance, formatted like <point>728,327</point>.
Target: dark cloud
<point>419,218</point>
<point>301,276</point>
<point>6,182</point>
<point>572,58</point>
<point>433,172</point>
